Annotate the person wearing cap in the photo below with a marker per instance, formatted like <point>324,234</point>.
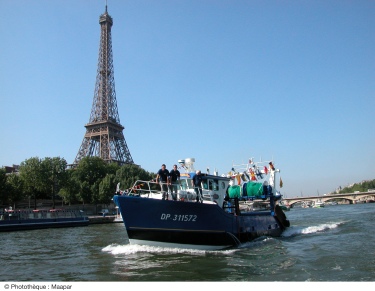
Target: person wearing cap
<point>197,184</point>
<point>163,177</point>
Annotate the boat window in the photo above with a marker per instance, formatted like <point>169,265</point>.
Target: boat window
<point>185,183</point>
<point>205,185</point>
<point>213,185</point>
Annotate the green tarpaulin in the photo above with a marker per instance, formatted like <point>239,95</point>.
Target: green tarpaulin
<point>235,191</point>
<point>254,189</point>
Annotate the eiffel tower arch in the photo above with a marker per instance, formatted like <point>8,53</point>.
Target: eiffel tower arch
<point>104,136</point>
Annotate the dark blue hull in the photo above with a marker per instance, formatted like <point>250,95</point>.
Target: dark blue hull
<point>191,225</point>
<point>28,224</point>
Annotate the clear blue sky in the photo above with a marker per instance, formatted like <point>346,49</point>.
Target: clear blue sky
<point>217,80</point>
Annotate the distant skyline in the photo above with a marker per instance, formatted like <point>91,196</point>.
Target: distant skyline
<point>220,81</point>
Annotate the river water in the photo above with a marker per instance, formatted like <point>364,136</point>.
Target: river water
<point>330,244</point>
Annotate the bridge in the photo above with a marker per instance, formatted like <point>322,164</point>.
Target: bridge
<point>352,198</point>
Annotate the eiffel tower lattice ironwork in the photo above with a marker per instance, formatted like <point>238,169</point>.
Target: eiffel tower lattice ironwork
<point>104,136</point>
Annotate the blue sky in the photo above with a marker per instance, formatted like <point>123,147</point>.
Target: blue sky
<point>217,80</point>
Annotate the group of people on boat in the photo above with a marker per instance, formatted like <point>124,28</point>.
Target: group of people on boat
<point>170,180</point>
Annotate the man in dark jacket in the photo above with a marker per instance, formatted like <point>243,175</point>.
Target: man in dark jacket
<point>175,181</point>
<point>162,177</point>
<point>197,184</point>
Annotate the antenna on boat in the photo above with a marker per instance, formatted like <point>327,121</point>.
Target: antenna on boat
<point>188,164</point>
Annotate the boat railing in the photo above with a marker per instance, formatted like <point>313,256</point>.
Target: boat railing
<point>240,207</point>
<point>231,206</point>
<point>146,188</point>
<point>149,188</point>
<point>152,188</point>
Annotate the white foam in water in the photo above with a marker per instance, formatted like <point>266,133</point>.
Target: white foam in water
<point>292,231</point>
<point>256,242</point>
<point>115,249</point>
<point>127,249</point>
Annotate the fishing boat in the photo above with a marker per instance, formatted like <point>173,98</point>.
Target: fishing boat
<point>223,217</point>
<point>20,219</point>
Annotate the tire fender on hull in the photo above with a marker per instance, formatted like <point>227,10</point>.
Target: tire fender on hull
<point>281,217</point>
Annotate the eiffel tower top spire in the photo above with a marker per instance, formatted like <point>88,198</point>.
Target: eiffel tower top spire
<point>105,95</point>
<point>105,16</point>
<point>104,137</point>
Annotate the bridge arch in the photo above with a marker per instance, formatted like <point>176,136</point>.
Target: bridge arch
<point>351,197</point>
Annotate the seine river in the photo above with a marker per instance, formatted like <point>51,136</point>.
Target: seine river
<point>330,244</point>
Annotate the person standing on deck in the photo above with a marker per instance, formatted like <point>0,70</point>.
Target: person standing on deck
<point>175,181</point>
<point>197,184</point>
<point>162,177</point>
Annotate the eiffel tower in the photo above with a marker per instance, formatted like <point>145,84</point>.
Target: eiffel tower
<point>104,137</point>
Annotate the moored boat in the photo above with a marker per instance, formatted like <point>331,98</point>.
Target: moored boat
<point>20,219</point>
<point>318,204</point>
<point>224,217</point>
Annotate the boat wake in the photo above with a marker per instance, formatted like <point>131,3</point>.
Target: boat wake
<point>260,241</point>
<point>128,249</point>
<point>301,230</point>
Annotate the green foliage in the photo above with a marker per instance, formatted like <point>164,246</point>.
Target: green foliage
<point>14,188</point>
<point>92,181</point>
<point>32,176</point>
<point>128,174</point>
<point>54,171</point>
<point>85,192</point>
<point>364,186</point>
<point>112,168</point>
<point>70,189</point>
<point>3,186</point>
<point>11,188</point>
<point>89,172</point>
<point>107,189</point>
<point>42,178</point>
